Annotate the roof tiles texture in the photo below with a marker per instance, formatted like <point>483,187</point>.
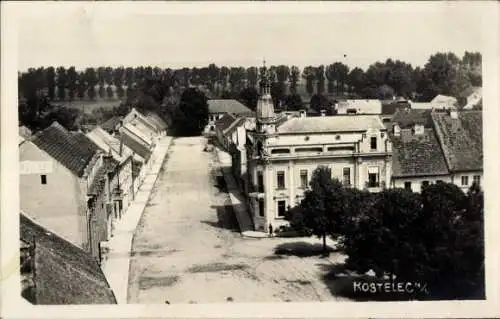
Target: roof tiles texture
<point>72,149</point>
<point>417,155</point>
<point>135,143</point>
<point>112,124</point>
<point>64,273</point>
<point>461,139</point>
<point>106,142</point>
<point>225,122</point>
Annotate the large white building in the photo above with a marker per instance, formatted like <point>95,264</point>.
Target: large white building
<point>282,152</point>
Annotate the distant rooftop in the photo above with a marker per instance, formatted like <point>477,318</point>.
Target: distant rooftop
<point>338,123</point>
<point>228,106</point>
<point>417,155</point>
<point>461,139</point>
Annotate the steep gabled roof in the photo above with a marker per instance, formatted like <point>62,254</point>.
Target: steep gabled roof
<point>64,273</point>
<point>72,149</point>
<point>417,155</point>
<point>106,142</point>
<point>112,124</point>
<point>135,143</point>
<point>234,126</point>
<point>227,106</point>
<point>224,122</point>
<point>461,139</point>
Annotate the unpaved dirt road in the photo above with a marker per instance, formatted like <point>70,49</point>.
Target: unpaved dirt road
<point>187,248</point>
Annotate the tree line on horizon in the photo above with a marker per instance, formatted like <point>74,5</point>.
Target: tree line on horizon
<point>444,73</point>
<point>159,89</point>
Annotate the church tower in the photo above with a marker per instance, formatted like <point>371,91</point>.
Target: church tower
<point>266,118</point>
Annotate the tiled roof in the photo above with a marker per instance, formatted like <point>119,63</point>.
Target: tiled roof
<point>227,106</point>
<point>64,273</point>
<point>338,123</point>
<point>408,118</point>
<point>417,155</point>
<point>157,120</point>
<point>224,122</point>
<point>234,126</point>
<point>461,139</point>
<point>112,124</point>
<point>441,99</point>
<point>99,181</point>
<point>73,150</point>
<point>105,141</point>
<point>135,143</point>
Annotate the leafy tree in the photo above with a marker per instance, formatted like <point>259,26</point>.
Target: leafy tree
<point>282,76</point>
<point>252,76</point>
<point>101,76</point>
<point>80,86</point>
<point>51,82</point>
<point>293,102</point>
<point>320,77</point>
<point>92,80</point>
<point>356,80</point>
<point>72,78</point>
<point>441,71</point>
<point>337,72</point>
<point>309,75</point>
<point>236,76</point>
<point>194,112</point>
<point>62,82</point>
<point>249,97</point>
<point>213,76</point>
<point>65,116</point>
<point>102,91</point>
<point>319,102</point>
<point>108,75</point>
<point>294,78</point>
<point>322,207</point>
<point>109,92</point>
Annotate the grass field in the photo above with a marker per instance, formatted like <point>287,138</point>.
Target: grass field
<point>88,106</point>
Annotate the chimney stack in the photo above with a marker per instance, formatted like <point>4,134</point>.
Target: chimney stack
<point>396,130</point>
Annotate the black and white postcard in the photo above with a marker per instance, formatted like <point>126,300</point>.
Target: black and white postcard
<point>249,159</point>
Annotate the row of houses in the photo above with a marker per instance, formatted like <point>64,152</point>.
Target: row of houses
<point>274,154</point>
<point>74,187</point>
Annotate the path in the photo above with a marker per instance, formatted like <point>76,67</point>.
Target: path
<point>187,249</point>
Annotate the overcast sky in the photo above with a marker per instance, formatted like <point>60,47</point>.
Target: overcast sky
<point>94,37</point>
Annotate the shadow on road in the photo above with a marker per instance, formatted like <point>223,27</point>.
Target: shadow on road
<point>225,218</point>
<point>302,249</point>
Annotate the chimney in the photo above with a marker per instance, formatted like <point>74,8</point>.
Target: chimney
<point>396,130</point>
<point>453,114</point>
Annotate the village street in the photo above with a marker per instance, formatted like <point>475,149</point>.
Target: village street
<point>187,247</point>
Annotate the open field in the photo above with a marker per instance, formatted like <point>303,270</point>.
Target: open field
<point>88,106</point>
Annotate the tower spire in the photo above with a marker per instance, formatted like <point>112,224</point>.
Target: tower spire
<point>264,80</point>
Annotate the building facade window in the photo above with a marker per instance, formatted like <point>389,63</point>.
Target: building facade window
<point>280,179</point>
<point>465,180</point>
<point>43,179</point>
<point>373,177</point>
<point>477,179</point>
<point>346,173</point>
<point>408,186</point>
<point>260,182</point>
<point>261,207</point>
<point>281,208</point>
<point>303,178</point>
<point>373,143</point>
